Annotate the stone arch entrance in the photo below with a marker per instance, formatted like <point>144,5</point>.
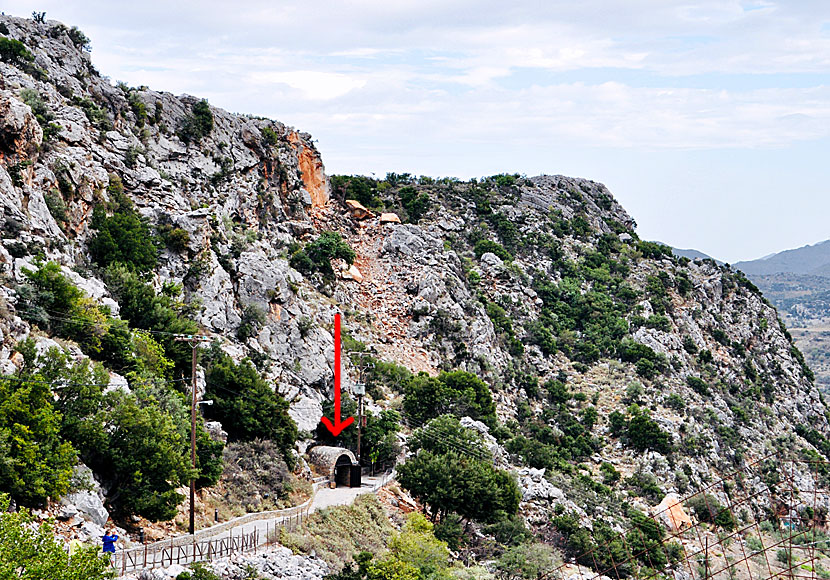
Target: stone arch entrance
<point>338,464</point>
<point>343,471</point>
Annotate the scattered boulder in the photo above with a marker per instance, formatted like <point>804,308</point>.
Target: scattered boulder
<point>357,210</point>
<point>389,218</point>
<point>352,273</point>
<point>671,514</point>
<point>89,505</point>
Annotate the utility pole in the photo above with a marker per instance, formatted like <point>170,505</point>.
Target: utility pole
<point>359,389</point>
<point>194,341</point>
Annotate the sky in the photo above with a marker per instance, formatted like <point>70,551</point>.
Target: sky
<point>709,120</point>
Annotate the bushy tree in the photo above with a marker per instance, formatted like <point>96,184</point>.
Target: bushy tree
<point>456,482</point>
<point>458,393</point>
<point>247,406</point>
<point>35,462</point>
<point>639,431</point>
<point>123,237</point>
<point>30,551</point>
<point>141,452</point>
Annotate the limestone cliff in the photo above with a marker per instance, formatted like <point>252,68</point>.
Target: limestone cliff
<point>528,282</point>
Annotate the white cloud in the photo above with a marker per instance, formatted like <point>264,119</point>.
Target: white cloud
<point>314,84</point>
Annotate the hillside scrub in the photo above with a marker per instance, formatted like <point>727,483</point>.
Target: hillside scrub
<point>336,534</point>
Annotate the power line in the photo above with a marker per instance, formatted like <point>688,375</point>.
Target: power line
<point>69,382</point>
<point>63,318</point>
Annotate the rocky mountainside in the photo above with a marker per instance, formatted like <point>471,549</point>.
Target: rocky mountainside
<point>797,282</point>
<point>604,354</point>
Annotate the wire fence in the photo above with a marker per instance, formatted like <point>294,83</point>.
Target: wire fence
<point>766,521</point>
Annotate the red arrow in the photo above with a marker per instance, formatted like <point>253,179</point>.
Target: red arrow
<point>339,425</point>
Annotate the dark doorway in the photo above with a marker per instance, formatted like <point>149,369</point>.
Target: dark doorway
<point>343,471</point>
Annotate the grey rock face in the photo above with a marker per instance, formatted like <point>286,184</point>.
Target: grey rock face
<point>20,133</point>
<point>89,504</point>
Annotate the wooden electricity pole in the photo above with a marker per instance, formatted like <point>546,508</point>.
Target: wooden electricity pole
<point>194,341</point>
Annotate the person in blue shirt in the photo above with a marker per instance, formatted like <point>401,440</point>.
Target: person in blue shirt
<point>109,540</point>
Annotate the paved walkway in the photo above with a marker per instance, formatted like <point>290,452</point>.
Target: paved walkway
<point>324,497</point>
<point>327,497</point>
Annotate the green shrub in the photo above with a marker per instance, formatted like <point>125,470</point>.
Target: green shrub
<point>176,239</point>
<point>96,115</point>
<point>645,368</point>
<point>41,111</point>
<point>253,317</point>
<point>139,109</point>
<point>698,385</point>
<point>708,509</point>
<point>55,205</point>
<point>675,401</point>
<point>416,205</point>
<point>123,237</point>
<point>317,255</point>
<point>527,562</point>
<point>14,52</point>
<point>644,485</point>
<point>484,246</point>
<point>609,474</point>
<point>269,136</point>
<point>689,345</point>
<point>131,156</point>
<point>198,124</point>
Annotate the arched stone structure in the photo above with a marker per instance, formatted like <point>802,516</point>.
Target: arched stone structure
<point>334,462</point>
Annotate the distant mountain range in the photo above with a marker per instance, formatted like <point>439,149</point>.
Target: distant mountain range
<point>808,260</point>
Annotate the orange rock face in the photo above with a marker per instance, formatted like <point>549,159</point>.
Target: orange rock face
<point>311,166</point>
